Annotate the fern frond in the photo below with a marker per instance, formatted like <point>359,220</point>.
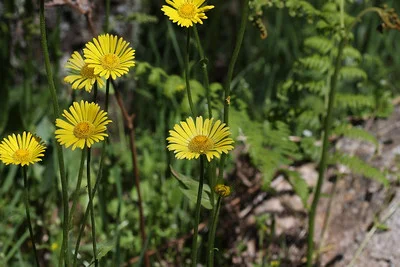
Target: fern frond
<point>358,166</point>
<point>354,101</point>
<point>316,62</point>
<point>351,52</point>
<point>355,132</point>
<point>352,73</point>
<point>269,145</point>
<point>319,44</point>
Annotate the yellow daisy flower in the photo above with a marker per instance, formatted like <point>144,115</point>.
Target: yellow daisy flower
<point>189,140</point>
<point>21,150</point>
<point>186,12</point>
<point>81,75</point>
<point>85,125</point>
<point>109,56</point>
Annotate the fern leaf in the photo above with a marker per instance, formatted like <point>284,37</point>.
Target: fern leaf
<point>320,44</point>
<point>352,73</point>
<point>351,52</point>
<point>360,167</point>
<point>316,62</point>
<point>354,101</point>
<point>356,133</point>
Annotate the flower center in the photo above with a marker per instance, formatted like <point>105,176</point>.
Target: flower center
<point>83,130</point>
<point>200,144</point>
<point>110,61</point>
<point>187,11</point>
<point>87,72</point>
<point>21,155</point>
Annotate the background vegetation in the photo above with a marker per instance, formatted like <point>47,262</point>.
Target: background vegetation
<point>279,97</point>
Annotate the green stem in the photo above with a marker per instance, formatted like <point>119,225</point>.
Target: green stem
<point>53,93</point>
<point>187,76</point>
<point>203,62</point>
<point>28,215</point>
<point>86,215</point>
<point>77,188</point>
<point>211,236</point>
<point>324,155</point>
<point>107,94</point>
<point>197,216</point>
<point>232,63</point>
<point>227,89</point>
<point>95,86</point>
<point>90,193</point>
<point>107,16</point>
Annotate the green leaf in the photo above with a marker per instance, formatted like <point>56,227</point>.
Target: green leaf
<point>299,185</point>
<point>189,188</point>
<point>356,133</point>
<point>105,247</point>
<point>358,166</point>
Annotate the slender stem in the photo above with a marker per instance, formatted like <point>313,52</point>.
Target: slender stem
<point>90,193</point>
<point>371,232</point>
<point>28,215</point>
<point>325,224</point>
<point>107,94</point>
<point>362,13</point>
<point>197,216</point>
<point>95,92</point>
<point>131,126</point>
<point>324,155</point>
<point>232,63</point>
<point>187,76</point>
<point>107,16</point>
<point>227,89</point>
<point>64,183</point>
<point>203,62</point>
<point>77,188</point>
<point>86,215</point>
<point>211,236</point>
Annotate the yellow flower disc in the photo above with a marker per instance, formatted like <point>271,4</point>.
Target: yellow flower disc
<point>189,140</point>
<point>21,149</point>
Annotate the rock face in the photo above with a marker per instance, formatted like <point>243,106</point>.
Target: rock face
<point>359,202</point>
<point>383,249</point>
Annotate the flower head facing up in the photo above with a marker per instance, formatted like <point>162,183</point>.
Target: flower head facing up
<point>189,140</point>
<point>85,125</point>
<point>109,56</point>
<point>186,12</point>
<point>81,75</point>
<point>21,149</point>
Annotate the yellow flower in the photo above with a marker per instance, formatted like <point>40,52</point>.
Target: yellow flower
<point>21,150</point>
<point>85,125</point>
<point>81,75</point>
<point>109,56</point>
<point>186,12</point>
<point>189,140</point>
<point>222,190</point>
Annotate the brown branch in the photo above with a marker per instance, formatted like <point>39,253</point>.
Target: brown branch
<point>129,123</point>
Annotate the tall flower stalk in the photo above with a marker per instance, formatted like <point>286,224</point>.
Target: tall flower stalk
<point>64,254</point>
